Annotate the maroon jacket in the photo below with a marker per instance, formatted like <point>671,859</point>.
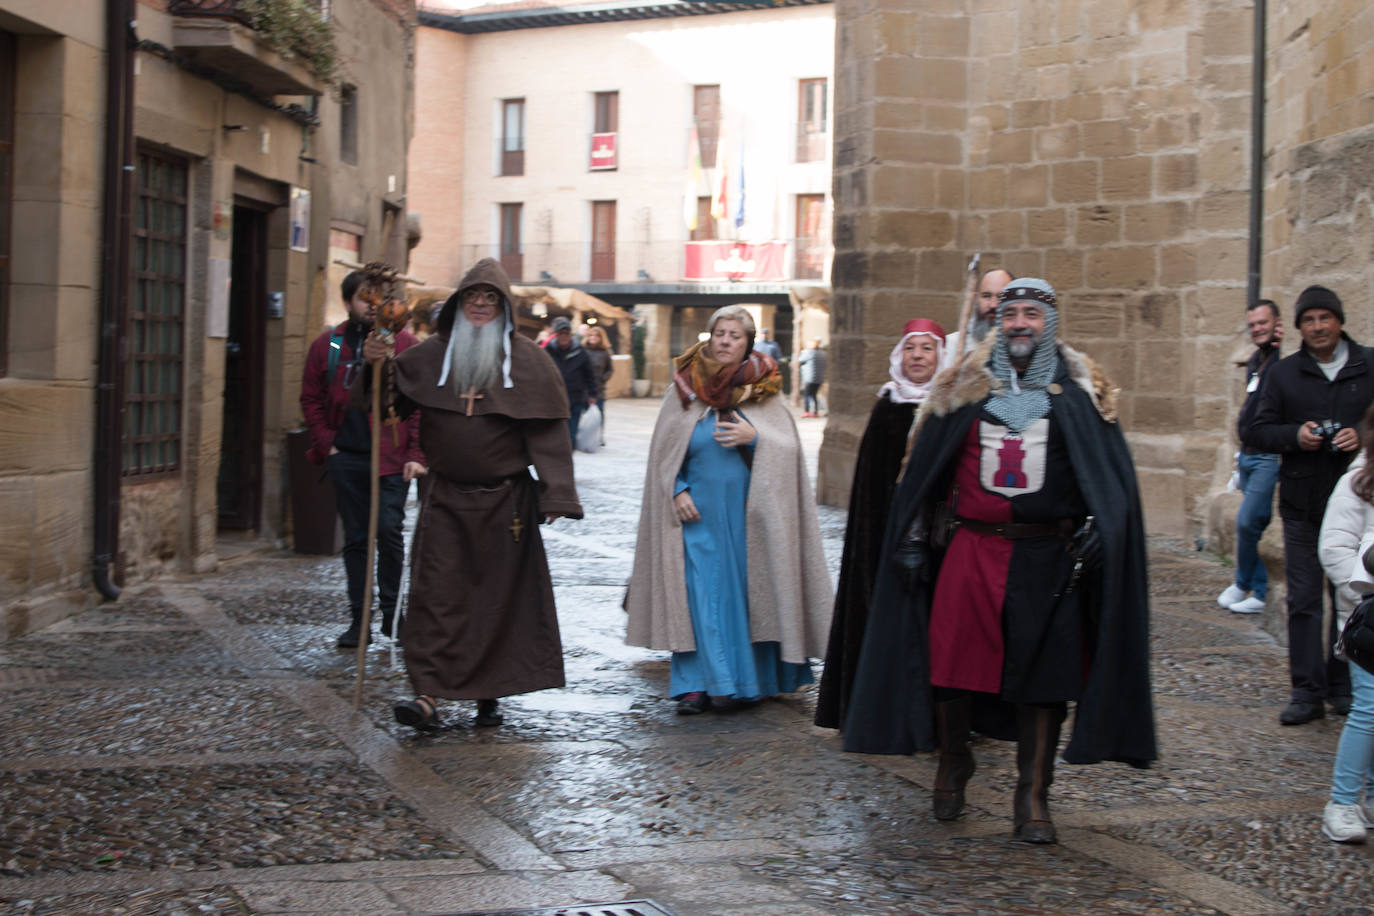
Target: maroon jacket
<point>325,402</point>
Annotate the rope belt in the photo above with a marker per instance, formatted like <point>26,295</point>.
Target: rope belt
<point>1015,531</point>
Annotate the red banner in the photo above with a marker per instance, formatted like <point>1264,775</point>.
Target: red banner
<point>603,152</point>
<point>734,261</point>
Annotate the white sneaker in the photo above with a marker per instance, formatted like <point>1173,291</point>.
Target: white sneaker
<point>1232,594</point>
<point>1343,823</point>
<point>1251,605</point>
<point>1367,809</point>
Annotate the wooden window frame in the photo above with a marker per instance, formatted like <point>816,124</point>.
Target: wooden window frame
<point>603,257</point>
<point>606,112</point>
<point>348,124</point>
<point>512,151</point>
<point>706,223</point>
<point>512,256</point>
<point>812,127</point>
<point>804,261</point>
<point>157,320</point>
<point>708,126</point>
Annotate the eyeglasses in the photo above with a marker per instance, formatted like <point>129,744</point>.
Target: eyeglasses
<point>481,296</point>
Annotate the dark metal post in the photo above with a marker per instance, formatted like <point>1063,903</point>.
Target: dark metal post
<point>1256,252</point>
<point>114,289</point>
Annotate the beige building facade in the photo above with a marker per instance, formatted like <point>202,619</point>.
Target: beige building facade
<point>561,141</point>
<point>1103,145</point>
<point>168,264</point>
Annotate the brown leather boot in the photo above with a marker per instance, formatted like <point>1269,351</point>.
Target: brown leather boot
<point>952,723</point>
<point>1036,746</point>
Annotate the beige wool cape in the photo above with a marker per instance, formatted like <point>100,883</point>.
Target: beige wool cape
<point>790,595</point>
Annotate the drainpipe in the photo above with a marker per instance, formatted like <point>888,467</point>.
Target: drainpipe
<point>1252,290</point>
<point>114,288</point>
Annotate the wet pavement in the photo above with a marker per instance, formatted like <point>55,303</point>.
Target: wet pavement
<point>194,749</point>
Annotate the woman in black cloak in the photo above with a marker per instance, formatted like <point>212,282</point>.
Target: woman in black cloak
<point>918,356</point>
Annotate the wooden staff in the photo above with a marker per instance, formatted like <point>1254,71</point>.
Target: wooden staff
<point>380,288</point>
<point>373,497</point>
<point>971,295</point>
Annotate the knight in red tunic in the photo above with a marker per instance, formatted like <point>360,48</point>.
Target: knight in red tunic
<point>1038,600</point>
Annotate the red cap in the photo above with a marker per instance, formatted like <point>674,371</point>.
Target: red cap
<point>924,326</point>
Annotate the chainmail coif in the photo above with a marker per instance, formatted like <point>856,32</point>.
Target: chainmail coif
<point>1022,398</point>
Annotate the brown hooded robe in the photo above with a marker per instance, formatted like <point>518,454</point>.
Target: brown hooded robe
<point>481,620</point>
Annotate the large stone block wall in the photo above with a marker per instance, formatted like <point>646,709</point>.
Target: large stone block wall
<point>1320,154</point>
<point>47,399</point>
<point>1101,144</point>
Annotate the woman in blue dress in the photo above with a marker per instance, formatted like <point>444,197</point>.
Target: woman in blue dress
<point>729,572</point>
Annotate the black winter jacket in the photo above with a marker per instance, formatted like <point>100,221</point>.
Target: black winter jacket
<point>1294,391</point>
<point>576,368</point>
<point>1263,359</point>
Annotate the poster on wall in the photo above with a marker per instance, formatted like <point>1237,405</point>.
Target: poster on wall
<point>300,219</point>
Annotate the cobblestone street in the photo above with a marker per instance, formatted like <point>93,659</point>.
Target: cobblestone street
<point>193,749</point>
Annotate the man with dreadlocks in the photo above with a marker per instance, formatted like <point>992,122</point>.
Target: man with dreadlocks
<point>1039,598</point>
<point>481,622</point>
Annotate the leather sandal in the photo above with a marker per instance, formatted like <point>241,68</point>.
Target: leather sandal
<point>420,713</point>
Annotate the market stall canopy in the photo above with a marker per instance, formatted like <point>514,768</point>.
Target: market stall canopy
<point>573,300</point>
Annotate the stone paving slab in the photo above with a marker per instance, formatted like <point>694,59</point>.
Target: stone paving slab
<point>216,900</point>
<point>320,605</point>
<point>112,655</point>
<point>966,876</point>
<point>212,716</point>
<point>1277,855</point>
<point>142,612</point>
<point>104,820</point>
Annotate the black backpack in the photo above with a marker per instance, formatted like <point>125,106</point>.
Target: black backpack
<point>1357,638</point>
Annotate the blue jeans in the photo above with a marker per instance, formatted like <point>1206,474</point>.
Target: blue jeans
<point>1258,473</point>
<point>1354,769</point>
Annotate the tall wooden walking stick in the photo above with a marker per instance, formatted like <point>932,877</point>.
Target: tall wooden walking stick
<point>384,288</point>
<point>970,295</point>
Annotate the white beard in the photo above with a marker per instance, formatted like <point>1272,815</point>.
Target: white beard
<point>477,354</point>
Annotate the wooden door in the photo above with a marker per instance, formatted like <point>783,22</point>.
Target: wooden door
<point>239,488</point>
<point>603,240</point>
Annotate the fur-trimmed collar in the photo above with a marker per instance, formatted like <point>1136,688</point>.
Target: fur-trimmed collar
<point>969,381</point>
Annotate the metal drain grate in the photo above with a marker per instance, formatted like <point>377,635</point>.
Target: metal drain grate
<point>624,908</point>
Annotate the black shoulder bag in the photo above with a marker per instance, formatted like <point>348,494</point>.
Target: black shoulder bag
<point>1357,638</point>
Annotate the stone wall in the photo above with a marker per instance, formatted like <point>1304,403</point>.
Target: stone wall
<point>47,397</point>
<point>1101,144</point>
<point>1319,225</point>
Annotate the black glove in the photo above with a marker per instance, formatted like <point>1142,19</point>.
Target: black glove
<point>911,561</point>
<point>1087,546</point>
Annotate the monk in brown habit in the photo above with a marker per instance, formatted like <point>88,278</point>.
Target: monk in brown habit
<point>481,622</point>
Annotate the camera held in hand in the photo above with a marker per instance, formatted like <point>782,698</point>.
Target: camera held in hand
<point>1327,429</point>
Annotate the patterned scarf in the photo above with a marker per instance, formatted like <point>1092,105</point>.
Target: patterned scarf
<point>697,375</point>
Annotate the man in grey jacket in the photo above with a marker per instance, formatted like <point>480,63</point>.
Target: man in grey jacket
<point>812,362</point>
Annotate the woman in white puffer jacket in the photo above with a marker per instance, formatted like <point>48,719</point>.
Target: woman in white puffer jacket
<point>1347,535</point>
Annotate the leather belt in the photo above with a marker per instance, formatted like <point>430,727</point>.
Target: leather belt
<point>1015,531</point>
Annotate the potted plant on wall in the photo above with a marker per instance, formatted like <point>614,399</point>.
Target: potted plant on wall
<point>639,386</point>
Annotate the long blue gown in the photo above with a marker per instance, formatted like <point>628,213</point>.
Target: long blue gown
<point>725,662</point>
